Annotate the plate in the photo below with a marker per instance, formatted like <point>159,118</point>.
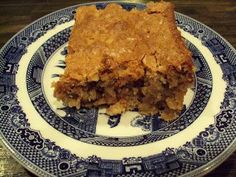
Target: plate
<point>50,139</point>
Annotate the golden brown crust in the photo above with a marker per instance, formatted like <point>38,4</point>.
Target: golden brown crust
<point>127,60</point>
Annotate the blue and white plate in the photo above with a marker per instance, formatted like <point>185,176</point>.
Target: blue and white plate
<point>50,139</point>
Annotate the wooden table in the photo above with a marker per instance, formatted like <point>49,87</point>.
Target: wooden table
<point>220,15</point>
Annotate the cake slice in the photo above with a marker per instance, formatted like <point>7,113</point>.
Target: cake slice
<point>126,60</point>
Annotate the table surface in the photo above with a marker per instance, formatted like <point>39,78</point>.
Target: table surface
<point>220,15</point>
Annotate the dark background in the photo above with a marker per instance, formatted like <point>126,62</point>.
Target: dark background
<point>220,15</point>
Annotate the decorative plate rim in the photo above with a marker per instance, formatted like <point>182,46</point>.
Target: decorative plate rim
<point>38,171</point>
<point>210,166</point>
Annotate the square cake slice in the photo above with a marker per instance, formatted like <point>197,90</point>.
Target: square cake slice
<point>126,60</point>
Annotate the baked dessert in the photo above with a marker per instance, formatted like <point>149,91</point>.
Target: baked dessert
<point>126,60</point>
